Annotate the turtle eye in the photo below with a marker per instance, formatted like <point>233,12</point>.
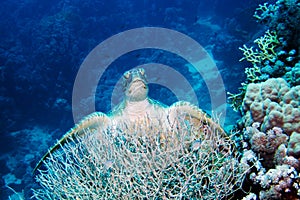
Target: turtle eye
<point>142,71</point>
<point>127,75</point>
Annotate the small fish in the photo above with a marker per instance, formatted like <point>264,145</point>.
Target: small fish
<point>289,59</point>
<point>292,52</point>
<point>196,145</point>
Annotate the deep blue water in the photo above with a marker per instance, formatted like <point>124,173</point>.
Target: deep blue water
<point>43,44</point>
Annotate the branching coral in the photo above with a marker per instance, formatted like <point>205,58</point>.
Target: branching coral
<point>129,162</point>
<point>253,56</point>
<point>253,74</point>
<point>266,44</point>
<point>264,11</point>
<point>282,17</point>
<point>236,100</point>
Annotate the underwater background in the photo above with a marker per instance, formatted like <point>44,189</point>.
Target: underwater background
<point>43,44</point>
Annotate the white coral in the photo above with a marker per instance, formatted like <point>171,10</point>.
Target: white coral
<point>277,181</point>
<point>143,164</point>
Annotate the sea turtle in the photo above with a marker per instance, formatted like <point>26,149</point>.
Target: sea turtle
<point>136,107</point>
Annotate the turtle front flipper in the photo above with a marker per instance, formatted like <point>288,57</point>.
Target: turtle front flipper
<point>185,110</point>
<point>91,122</point>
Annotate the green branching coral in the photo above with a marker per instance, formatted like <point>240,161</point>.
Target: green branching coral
<point>264,11</point>
<point>266,52</point>
<point>282,17</point>
<point>253,74</point>
<point>266,45</point>
<point>236,100</point>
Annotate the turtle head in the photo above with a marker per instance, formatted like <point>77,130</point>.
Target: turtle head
<point>135,85</point>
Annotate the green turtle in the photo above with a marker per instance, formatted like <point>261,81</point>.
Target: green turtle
<point>136,107</point>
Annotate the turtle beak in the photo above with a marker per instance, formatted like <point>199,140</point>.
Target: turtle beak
<point>139,80</point>
<point>138,83</point>
<point>137,90</point>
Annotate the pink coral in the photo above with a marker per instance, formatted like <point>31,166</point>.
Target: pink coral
<point>282,158</point>
<point>267,143</point>
<point>277,182</point>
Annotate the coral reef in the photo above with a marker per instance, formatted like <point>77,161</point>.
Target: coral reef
<point>277,52</point>
<point>131,162</point>
<point>272,124</point>
<point>41,51</point>
<point>270,105</point>
<point>275,175</point>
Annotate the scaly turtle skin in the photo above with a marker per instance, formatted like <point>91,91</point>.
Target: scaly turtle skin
<point>137,106</point>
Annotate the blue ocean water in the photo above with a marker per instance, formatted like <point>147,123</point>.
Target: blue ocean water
<point>44,43</point>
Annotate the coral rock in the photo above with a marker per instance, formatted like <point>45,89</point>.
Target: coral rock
<point>274,104</point>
